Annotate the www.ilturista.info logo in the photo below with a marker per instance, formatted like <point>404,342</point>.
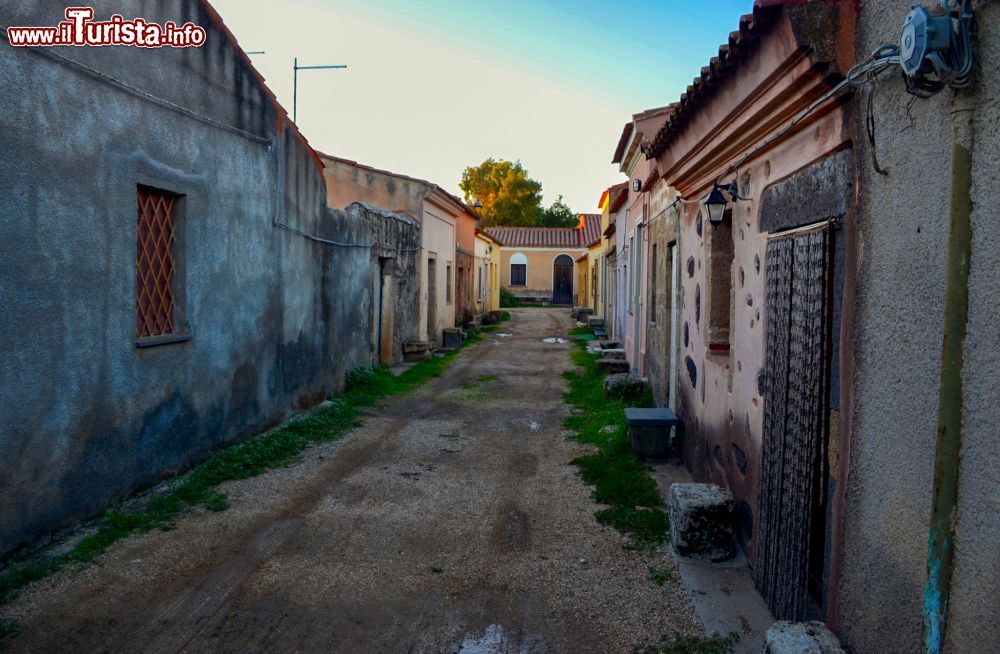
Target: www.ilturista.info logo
<point>80,29</point>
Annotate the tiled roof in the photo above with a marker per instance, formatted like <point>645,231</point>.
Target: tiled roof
<point>554,237</point>
<point>741,44</point>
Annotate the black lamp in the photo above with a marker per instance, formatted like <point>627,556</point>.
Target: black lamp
<point>717,201</point>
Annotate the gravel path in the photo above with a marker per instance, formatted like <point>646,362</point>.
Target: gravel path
<point>451,521</point>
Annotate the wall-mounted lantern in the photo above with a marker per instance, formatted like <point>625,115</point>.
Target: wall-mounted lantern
<point>636,185</point>
<point>718,200</point>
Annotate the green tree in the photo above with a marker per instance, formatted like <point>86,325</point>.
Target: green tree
<point>559,215</point>
<point>508,195</point>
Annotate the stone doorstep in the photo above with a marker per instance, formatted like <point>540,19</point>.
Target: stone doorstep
<point>613,353</point>
<point>610,345</point>
<point>612,365</point>
<point>624,383</point>
<point>595,322</point>
<point>701,521</point>
<point>417,346</point>
<point>813,637</point>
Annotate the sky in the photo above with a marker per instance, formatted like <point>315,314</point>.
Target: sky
<point>433,86</point>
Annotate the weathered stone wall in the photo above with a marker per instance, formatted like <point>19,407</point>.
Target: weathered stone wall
<point>272,316</point>
<point>662,237</point>
<point>903,232</point>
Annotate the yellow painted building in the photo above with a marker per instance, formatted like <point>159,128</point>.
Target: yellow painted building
<point>487,284</point>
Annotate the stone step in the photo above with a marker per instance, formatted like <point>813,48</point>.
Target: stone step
<point>595,322</point>
<point>613,353</point>
<point>624,385</point>
<point>701,523</point>
<point>417,346</point>
<point>612,366</point>
<point>610,345</point>
<point>813,637</point>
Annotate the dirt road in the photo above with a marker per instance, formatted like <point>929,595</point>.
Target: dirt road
<point>451,521</point>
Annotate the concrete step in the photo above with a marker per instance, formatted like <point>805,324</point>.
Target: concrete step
<point>615,353</point>
<point>814,637</point>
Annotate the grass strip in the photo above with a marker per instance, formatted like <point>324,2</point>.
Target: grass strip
<point>249,458</point>
<point>621,481</point>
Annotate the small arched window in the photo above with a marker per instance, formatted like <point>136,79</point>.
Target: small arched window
<point>564,260</point>
<point>518,270</point>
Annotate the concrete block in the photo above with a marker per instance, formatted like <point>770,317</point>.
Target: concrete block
<point>612,366</point>
<point>610,345</point>
<point>624,385</point>
<point>414,347</point>
<point>801,638</point>
<point>649,431</point>
<point>452,337</point>
<point>613,353</point>
<point>595,322</point>
<point>701,524</point>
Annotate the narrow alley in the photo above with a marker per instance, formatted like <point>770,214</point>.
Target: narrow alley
<point>451,521</point>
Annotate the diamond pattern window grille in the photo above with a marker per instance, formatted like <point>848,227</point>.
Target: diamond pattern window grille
<point>154,263</point>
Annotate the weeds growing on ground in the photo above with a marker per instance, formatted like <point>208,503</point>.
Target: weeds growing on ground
<point>620,479</point>
<point>661,574</point>
<point>508,299</point>
<point>198,488</point>
<point>714,644</point>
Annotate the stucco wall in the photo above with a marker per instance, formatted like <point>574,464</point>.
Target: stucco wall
<point>539,272</point>
<point>93,416</point>
<point>438,243</point>
<point>900,307</point>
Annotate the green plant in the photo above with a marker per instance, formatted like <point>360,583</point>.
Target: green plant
<point>620,479</point>
<point>198,488</point>
<point>661,574</point>
<point>679,644</point>
<point>8,630</point>
<point>508,299</point>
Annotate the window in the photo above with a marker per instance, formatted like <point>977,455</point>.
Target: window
<point>518,270</point>
<point>719,284</point>
<point>155,265</point>
<point>447,283</point>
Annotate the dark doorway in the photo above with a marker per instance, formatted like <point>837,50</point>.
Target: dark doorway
<point>562,280</point>
<point>385,317</point>
<point>431,299</point>
<point>792,501</point>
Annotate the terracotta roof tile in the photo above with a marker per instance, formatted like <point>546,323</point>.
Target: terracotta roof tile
<point>555,237</point>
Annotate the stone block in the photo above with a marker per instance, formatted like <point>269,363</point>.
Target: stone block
<point>595,322</point>
<point>612,366</point>
<point>701,524</point>
<point>414,347</point>
<point>624,385</point>
<point>801,638</point>
<point>610,345</point>
<point>649,431</point>
<point>613,353</point>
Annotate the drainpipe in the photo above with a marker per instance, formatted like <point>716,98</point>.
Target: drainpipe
<point>941,545</point>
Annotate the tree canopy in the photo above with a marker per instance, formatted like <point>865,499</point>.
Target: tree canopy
<point>510,197</point>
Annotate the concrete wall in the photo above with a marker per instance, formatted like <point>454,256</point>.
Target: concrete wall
<point>348,182</point>
<point>271,315</point>
<point>904,232</point>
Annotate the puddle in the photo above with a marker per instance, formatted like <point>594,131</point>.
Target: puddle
<point>554,339</point>
<point>503,334</point>
<point>493,641</point>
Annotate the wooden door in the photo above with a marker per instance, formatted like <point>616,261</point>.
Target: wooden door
<point>562,280</point>
<point>792,498</point>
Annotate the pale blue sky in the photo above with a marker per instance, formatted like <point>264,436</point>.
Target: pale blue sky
<point>435,85</point>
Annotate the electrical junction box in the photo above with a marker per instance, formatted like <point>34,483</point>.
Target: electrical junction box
<point>922,35</point>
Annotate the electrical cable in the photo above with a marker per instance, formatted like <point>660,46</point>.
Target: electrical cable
<point>326,241</point>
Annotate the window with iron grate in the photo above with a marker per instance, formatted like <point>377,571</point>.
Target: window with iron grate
<point>155,266</point>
